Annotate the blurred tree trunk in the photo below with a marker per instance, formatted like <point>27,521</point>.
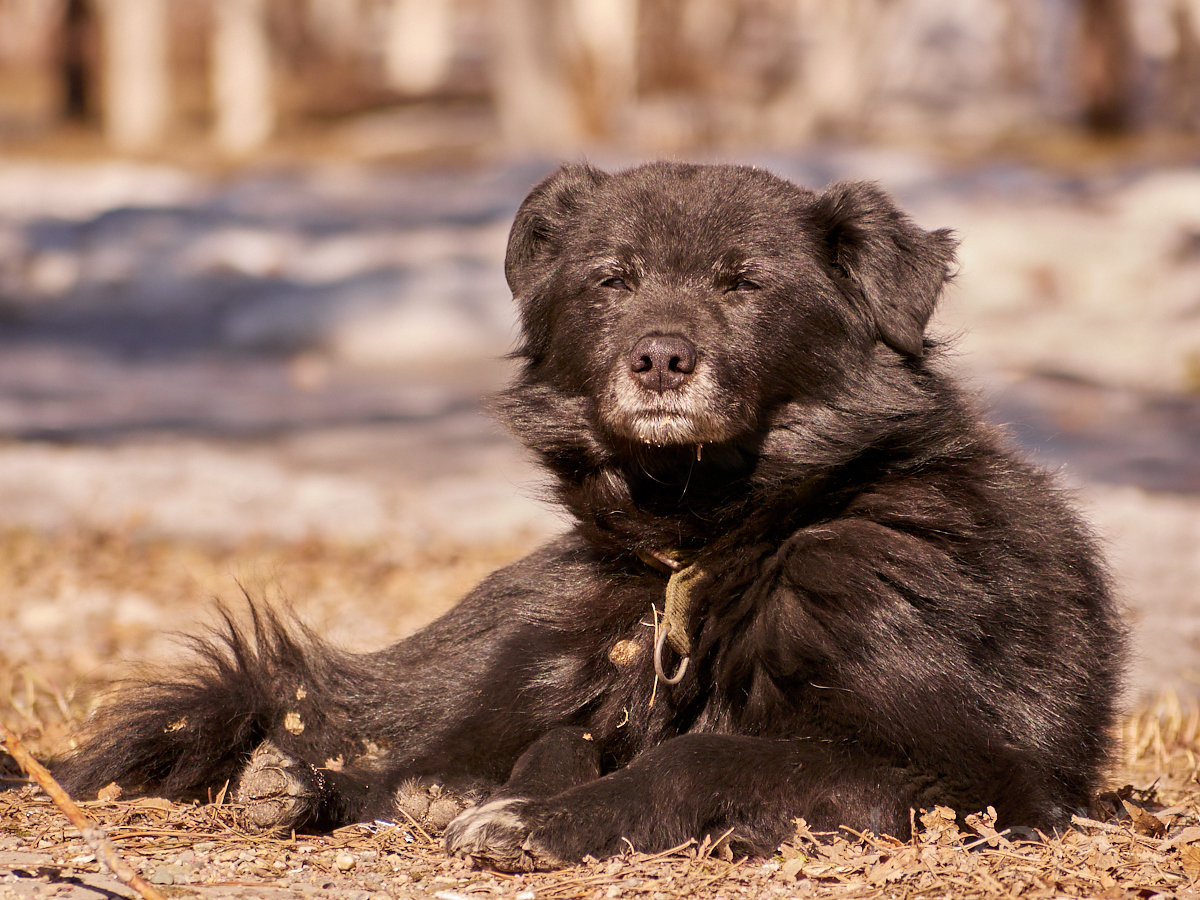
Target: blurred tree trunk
<point>604,72</point>
<point>1105,65</point>
<point>563,70</point>
<point>243,98</point>
<point>419,44</point>
<point>839,57</point>
<point>1183,70</point>
<point>532,100</point>
<point>136,74</point>
<point>338,23</point>
<point>77,59</point>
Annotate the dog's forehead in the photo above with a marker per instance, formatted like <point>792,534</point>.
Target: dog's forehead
<point>704,210</point>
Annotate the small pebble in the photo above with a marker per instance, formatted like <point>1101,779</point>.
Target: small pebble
<point>168,875</point>
<point>345,861</point>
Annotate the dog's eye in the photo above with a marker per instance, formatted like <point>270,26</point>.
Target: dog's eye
<point>744,284</point>
<point>615,283</point>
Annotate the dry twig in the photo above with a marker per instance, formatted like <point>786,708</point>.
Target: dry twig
<point>92,833</point>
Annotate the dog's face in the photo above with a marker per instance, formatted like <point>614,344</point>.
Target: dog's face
<point>686,302</point>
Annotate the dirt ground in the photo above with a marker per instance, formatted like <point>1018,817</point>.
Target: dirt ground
<point>272,381</point>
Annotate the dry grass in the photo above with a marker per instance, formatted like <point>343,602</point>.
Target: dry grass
<point>117,593</point>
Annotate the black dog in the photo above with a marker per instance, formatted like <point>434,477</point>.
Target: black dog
<point>856,601</point>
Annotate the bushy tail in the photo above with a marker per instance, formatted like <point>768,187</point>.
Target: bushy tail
<point>189,730</point>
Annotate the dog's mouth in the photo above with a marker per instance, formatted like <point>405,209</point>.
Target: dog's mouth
<point>666,429</point>
<point>690,417</point>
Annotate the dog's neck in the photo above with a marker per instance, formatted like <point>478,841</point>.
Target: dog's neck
<point>672,510</point>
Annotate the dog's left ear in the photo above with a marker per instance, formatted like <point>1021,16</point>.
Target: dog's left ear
<point>898,268</point>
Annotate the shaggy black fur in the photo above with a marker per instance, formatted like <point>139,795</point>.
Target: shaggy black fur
<point>720,367</point>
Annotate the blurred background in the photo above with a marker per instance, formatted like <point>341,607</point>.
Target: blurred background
<point>465,78</point>
<point>252,300</point>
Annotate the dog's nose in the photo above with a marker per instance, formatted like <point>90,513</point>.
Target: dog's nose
<point>662,362</point>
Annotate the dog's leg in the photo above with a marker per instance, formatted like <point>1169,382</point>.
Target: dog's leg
<point>555,762</point>
<point>495,832</point>
<point>744,789</point>
<point>310,735</point>
<point>268,705</point>
<point>281,791</point>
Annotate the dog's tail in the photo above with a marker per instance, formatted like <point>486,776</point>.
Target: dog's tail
<point>190,730</point>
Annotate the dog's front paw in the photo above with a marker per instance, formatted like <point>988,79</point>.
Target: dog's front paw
<point>498,834</point>
<point>277,790</point>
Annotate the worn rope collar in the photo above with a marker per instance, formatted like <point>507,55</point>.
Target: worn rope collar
<point>677,609</point>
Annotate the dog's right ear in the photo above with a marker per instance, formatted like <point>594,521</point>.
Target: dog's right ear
<point>542,222</point>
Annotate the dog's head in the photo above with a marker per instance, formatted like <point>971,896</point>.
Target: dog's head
<point>682,303</point>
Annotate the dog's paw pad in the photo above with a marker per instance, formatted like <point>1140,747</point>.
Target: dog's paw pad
<point>276,790</point>
<point>430,805</point>
<point>496,834</point>
<point>444,810</point>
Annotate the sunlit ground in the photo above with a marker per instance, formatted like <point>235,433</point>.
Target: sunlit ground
<point>75,608</point>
